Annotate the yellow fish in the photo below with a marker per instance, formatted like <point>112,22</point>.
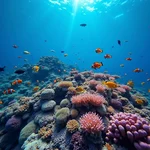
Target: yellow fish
<point>139,101</point>
<point>142,83</point>
<point>130,83</point>
<point>36,68</point>
<point>110,84</point>
<point>80,89</point>
<point>36,88</point>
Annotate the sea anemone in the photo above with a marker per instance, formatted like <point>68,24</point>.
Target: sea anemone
<point>91,123</point>
<point>88,99</point>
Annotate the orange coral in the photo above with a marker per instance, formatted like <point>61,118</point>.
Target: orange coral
<point>72,125</point>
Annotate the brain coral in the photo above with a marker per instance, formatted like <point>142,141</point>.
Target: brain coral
<point>88,99</point>
<point>72,125</point>
<point>91,123</point>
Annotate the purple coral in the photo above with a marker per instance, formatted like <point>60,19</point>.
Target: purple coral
<point>132,127</point>
<point>77,142</point>
<point>13,124</point>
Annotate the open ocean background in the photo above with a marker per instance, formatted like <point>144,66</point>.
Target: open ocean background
<point>28,23</point>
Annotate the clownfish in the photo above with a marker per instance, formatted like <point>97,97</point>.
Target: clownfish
<point>107,56</point>
<point>98,50</point>
<point>138,70</point>
<point>129,58</point>
<point>18,81</point>
<point>97,65</point>
<point>9,91</point>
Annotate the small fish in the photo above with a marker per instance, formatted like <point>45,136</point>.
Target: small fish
<point>65,55</point>
<point>25,60</point>
<point>83,24</point>
<point>36,68</point>
<point>130,83</point>
<point>19,71</point>
<point>97,65</point>
<point>2,69</point>
<point>148,79</point>
<point>129,58</point>
<point>26,52</point>
<point>110,84</point>
<point>119,42</point>
<point>19,56</point>
<point>138,70</point>
<point>15,46</point>
<point>148,90</point>
<point>121,65</point>
<point>62,51</point>
<point>9,91</point>
<point>36,88</point>
<point>16,82</point>
<point>53,51</point>
<point>98,50</point>
<point>1,102</point>
<point>142,83</point>
<point>107,56</point>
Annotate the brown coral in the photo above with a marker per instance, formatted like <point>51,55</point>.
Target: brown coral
<point>45,133</point>
<point>72,125</point>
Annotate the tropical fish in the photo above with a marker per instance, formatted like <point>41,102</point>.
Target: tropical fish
<point>139,101</point>
<point>142,83</point>
<point>36,88</point>
<point>138,70</point>
<point>110,84</point>
<point>83,25</point>
<point>130,83</point>
<point>148,79</point>
<point>26,52</point>
<point>65,55</point>
<point>119,42</point>
<point>107,56</point>
<point>121,65</point>
<point>1,102</point>
<point>98,50</point>
<point>148,90</point>
<point>19,71</point>
<point>36,68</point>
<point>2,69</point>
<point>97,65</point>
<point>62,51</point>
<point>15,46</point>
<point>18,81</point>
<point>129,58</point>
<point>9,91</point>
<point>80,89</point>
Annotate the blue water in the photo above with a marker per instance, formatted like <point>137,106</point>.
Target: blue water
<point>28,23</point>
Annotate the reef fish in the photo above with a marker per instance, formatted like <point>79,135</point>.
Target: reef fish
<point>36,68</point>
<point>83,24</point>
<point>97,65</point>
<point>18,81</point>
<point>110,84</point>
<point>2,69</point>
<point>26,52</point>
<point>138,70</point>
<point>9,91</point>
<point>119,42</point>
<point>98,50</point>
<point>107,56</point>
<point>19,71</point>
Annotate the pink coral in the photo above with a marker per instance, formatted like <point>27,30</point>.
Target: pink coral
<point>93,83</point>
<point>91,123</point>
<point>131,126</point>
<point>88,99</point>
<point>121,89</point>
<point>99,76</point>
<point>100,88</point>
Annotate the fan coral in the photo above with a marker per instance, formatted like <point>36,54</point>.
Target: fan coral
<point>100,88</point>
<point>65,84</point>
<point>72,125</point>
<point>45,133</point>
<point>132,127</point>
<point>91,123</point>
<point>88,99</point>
<point>13,124</point>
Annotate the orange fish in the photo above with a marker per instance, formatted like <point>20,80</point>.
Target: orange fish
<point>138,70</point>
<point>98,50</point>
<point>18,81</point>
<point>1,102</point>
<point>97,65</point>
<point>9,91</point>
<point>107,56</point>
<point>148,90</point>
<point>129,58</point>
